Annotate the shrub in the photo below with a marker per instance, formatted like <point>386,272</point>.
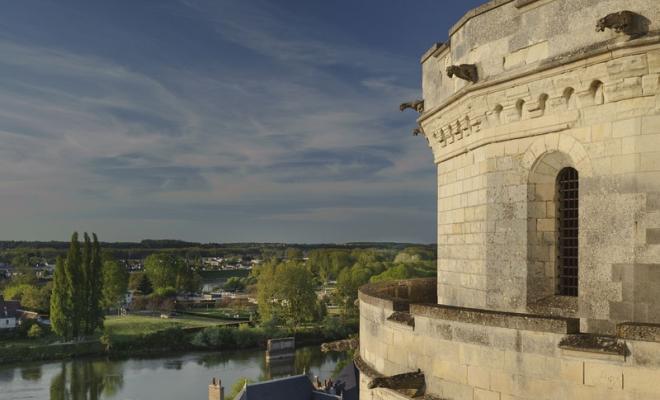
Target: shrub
<point>35,331</point>
<point>214,338</point>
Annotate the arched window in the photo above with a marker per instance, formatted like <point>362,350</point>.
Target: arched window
<point>567,232</point>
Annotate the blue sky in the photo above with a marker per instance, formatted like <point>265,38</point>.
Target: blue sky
<point>216,120</point>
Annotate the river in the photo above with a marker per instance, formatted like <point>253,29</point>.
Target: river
<point>178,377</point>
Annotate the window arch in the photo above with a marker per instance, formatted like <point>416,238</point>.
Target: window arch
<point>567,231</point>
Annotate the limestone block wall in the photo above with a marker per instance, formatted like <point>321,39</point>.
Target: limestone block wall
<point>498,149</point>
<point>505,37</point>
<point>471,354</point>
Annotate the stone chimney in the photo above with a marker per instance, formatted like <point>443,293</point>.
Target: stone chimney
<point>216,391</point>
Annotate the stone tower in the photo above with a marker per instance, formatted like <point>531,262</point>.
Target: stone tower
<point>544,121</point>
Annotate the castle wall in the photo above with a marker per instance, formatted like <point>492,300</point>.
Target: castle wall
<point>552,93</point>
<point>500,356</point>
<point>505,37</point>
<point>498,151</point>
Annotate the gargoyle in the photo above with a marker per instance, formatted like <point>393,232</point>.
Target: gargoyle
<point>417,131</point>
<point>466,72</point>
<point>622,21</point>
<point>409,380</point>
<point>417,105</point>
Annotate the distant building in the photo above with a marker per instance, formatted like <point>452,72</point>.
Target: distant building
<point>297,387</point>
<point>8,313</point>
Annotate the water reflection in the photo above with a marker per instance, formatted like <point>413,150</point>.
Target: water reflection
<point>174,377</point>
<point>84,379</point>
<point>31,373</point>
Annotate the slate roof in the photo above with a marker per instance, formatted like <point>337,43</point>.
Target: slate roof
<point>347,382</point>
<point>297,387</point>
<point>8,308</point>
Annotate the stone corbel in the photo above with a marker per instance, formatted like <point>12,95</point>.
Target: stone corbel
<point>466,126</point>
<point>449,135</point>
<point>535,108</point>
<point>466,72</point>
<point>456,127</point>
<point>510,114</point>
<point>476,122</point>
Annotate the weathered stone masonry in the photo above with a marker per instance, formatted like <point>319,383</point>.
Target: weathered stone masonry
<point>536,86</point>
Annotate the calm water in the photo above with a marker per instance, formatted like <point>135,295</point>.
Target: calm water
<point>184,377</point>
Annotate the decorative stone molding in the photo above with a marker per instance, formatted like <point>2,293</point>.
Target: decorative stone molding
<point>562,143</point>
<point>466,72</point>
<point>523,3</point>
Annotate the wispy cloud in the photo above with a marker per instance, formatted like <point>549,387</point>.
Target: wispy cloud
<point>283,130</point>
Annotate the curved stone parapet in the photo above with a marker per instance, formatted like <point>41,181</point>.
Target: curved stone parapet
<point>481,354</point>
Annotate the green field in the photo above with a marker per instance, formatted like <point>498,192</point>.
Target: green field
<point>210,276</point>
<point>227,313</point>
<point>139,325</point>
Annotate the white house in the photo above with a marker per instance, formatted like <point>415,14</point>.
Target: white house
<point>8,313</point>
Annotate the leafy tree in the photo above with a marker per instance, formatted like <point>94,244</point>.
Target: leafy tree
<point>293,253</point>
<point>115,283</point>
<point>234,284</point>
<point>60,305</point>
<point>168,270</point>
<point>144,286</point>
<point>25,272</point>
<point>398,272</point>
<point>287,291</point>
<point>348,283</point>
<point>134,279</point>
<point>32,297</point>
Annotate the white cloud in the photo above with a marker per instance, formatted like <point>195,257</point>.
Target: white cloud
<point>85,136</point>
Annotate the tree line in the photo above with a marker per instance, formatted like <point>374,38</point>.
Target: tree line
<point>298,288</point>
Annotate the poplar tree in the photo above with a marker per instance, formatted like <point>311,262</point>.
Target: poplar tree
<point>73,272</point>
<point>94,288</point>
<point>85,284</point>
<point>77,290</point>
<point>60,305</point>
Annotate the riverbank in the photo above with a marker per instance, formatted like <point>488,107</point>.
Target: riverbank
<point>142,336</point>
<point>164,377</point>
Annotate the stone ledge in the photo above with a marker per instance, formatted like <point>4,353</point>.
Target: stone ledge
<point>638,331</point>
<point>558,306</point>
<point>402,318</point>
<point>523,3</point>
<point>366,369</point>
<point>434,50</point>
<point>525,322</point>
<point>398,295</point>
